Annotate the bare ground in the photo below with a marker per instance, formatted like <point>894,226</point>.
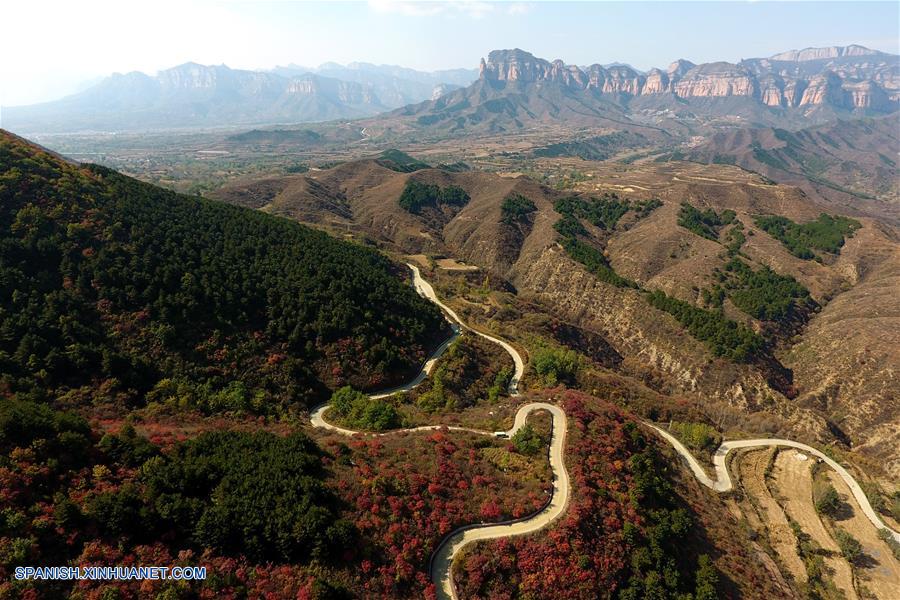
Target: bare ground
<point>878,570</point>
<point>771,518</point>
<point>793,485</point>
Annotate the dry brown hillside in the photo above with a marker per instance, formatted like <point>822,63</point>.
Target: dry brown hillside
<point>829,375</point>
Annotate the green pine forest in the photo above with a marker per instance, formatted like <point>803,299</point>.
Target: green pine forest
<point>112,290</point>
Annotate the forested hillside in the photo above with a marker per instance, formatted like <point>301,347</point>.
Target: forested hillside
<point>112,289</point>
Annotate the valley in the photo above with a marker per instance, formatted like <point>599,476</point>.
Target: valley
<point>442,560</point>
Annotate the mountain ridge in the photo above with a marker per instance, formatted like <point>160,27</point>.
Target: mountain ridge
<point>874,86</point>
<point>817,84</point>
<point>196,95</point>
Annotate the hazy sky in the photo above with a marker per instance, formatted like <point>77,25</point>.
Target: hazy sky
<point>49,49</point>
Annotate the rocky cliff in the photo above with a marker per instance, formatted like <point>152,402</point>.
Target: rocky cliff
<point>848,78</point>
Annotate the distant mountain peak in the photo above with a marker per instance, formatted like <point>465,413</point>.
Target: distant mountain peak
<point>826,52</point>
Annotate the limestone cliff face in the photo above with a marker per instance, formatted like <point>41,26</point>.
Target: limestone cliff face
<point>345,91</point>
<point>823,89</point>
<point>657,82</point>
<point>771,91</point>
<point>793,92</point>
<point>515,65</point>
<point>678,68</point>
<point>849,77</point>
<point>808,54</point>
<point>717,79</point>
<point>189,76</point>
<point>622,80</point>
<point>865,94</point>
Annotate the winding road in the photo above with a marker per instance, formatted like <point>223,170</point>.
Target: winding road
<point>442,559</point>
<point>449,548</point>
<point>723,483</point>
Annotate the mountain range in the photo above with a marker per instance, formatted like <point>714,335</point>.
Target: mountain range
<point>513,88</point>
<point>194,95</point>
<point>394,86</point>
<point>843,161</point>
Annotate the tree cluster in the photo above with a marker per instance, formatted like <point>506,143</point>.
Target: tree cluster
<point>826,234</point>
<point>723,336</point>
<point>763,294</point>
<point>705,223</point>
<point>106,279</point>
<point>417,195</point>
<point>399,161</point>
<point>359,411</point>
<point>516,208</point>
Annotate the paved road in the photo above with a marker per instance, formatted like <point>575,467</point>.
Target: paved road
<point>442,560</point>
<point>723,483</point>
<point>424,288</point>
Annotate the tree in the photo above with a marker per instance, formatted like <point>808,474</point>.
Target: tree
<point>343,400</point>
<point>516,208</point>
<point>850,547</point>
<point>528,441</point>
<point>554,365</point>
<point>829,502</point>
<point>707,579</point>
<point>359,410</point>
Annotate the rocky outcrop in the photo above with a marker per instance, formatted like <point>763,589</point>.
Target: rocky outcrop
<point>678,68</point>
<point>657,82</point>
<point>344,91</point>
<point>793,91</point>
<point>823,53</point>
<point>866,94</point>
<point>717,80</point>
<point>771,91</point>
<point>622,80</point>
<point>515,65</point>
<point>443,89</point>
<point>849,77</point>
<point>823,89</point>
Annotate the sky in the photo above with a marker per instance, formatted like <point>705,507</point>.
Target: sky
<point>50,49</point>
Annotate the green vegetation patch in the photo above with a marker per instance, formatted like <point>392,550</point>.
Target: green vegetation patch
<point>763,294</point>
<point>696,436</point>
<point>595,262</point>
<point>395,160</point>
<point>604,213</point>
<point>850,547</point>
<point>594,148</point>
<point>827,501</point>
<point>470,370</point>
<point>826,234</point>
<point>643,208</point>
<point>417,195</point>
<point>735,238</point>
<point>723,336</point>
<point>109,287</point>
<point>516,208</point>
<point>554,365</point>
<point>528,441</point>
<point>357,410</point>
<point>254,494</point>
<point>705,223</point>
<point>768,157</point>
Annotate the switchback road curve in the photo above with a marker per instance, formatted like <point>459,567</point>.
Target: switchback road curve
<point>723,483</point>
<point>449,548</point>
<point>442,559</point>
